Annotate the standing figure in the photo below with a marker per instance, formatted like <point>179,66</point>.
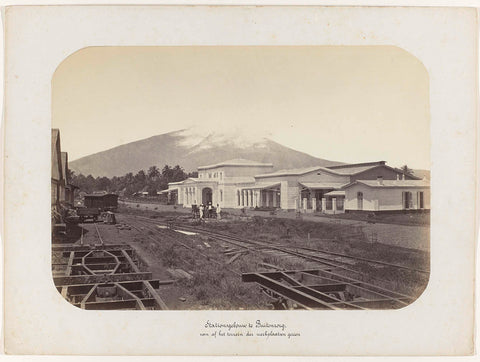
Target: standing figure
<point>201,211</point>
<point>210,207</point>
<point>218,212</point>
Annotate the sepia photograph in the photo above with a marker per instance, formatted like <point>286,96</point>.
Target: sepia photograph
<point>240,178</point>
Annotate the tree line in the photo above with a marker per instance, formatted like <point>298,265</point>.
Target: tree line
<point>151,181</point>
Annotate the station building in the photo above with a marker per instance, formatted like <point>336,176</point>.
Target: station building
<point>240,183</point>
<point>62,192</point>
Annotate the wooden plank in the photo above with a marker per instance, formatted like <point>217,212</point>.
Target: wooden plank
<point>129,260</point>
<point>363,289</point>
<point>327,288</point>
<point>128,293</point>
<point>98,259</point>
<point>378,303</point>
<point>290,280</point>
<point>160,303</point>
<point>100,266</point>
<point>98,279</point>
<point>77,247</point>
<point>119,304</point>
<point>233,258</point>
<point>88,297</point>
<point>84,288</point>
<point>288,292</point>
<point>68,272</point>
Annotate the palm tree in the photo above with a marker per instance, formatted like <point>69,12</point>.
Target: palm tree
<point>406,170</point>
<point>153,173</point>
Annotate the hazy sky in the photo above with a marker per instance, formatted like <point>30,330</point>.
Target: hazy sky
<point>351,104</point>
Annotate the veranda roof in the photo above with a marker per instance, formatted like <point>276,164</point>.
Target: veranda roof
<point>262,186</point>
<point>322,185</point>
<point>335,193</point>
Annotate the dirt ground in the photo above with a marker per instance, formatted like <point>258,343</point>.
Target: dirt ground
<point>407,231</point>
<point>207,286</point>
<point>204,279</point>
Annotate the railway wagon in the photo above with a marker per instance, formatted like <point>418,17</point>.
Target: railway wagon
<point>104,202</point>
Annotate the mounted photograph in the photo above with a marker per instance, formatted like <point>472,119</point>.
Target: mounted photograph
<point>240,178</point>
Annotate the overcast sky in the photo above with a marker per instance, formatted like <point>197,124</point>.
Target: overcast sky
<point>350,104</point>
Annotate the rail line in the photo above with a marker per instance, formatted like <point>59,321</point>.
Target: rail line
<point>98,234</point>
<point>320,254</point>
<point>329,270</point>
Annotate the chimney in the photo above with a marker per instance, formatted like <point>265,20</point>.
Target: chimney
<point>380,180</point>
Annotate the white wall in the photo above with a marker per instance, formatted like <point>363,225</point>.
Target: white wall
<point>383,199</point>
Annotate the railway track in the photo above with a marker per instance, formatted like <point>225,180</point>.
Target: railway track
<point>317,255</point>
<point>333,268</point>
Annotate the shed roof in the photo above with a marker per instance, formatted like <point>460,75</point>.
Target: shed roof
<point>237,162</point>
<point>323,185</point>
<point>335,193</point>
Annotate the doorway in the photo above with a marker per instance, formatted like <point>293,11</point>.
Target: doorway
<point>206,195</point>
<point>360,201</point>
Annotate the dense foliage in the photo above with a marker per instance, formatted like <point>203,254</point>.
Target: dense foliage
<point>151,181</point>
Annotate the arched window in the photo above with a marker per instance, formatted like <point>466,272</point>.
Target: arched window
<point>359,200</point>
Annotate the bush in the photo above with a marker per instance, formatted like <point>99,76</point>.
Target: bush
<point>170,256</point>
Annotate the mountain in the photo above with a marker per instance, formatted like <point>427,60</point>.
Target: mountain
<point>190,150</point>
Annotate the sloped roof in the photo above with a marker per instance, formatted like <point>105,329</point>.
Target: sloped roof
<point>237,162</point>
<point>263,186</point>
<point>55,135</point>
<point>355,170</point>
<point>361,164</point>
<point>323,185</point>
<point>64,157</point>
<point>56,160</point>
<point>335,193</point>
<point>297,171</point>
<point>192,179</point>
<point>341,170</point>
<point>391,183</point>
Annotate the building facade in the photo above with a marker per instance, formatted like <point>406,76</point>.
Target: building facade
<point>217,183</point>
<point>62,192</point>
<point>242,183</point>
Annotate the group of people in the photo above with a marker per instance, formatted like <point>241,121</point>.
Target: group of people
<point>206,211</point>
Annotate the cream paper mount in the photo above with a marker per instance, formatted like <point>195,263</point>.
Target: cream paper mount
<point>39,321</point>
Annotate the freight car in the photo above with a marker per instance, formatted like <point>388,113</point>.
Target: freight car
<point>88,213</point>
<point>103,202</point>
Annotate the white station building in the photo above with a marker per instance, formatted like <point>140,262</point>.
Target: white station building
<point>241,183</point>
